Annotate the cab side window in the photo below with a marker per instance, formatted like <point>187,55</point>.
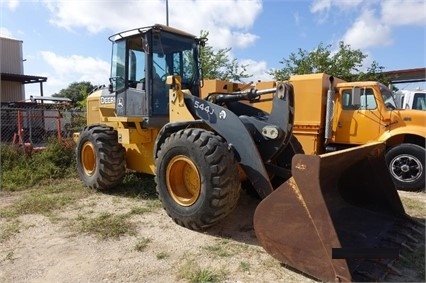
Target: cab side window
<point>368,100</point>
<point>347,100</point>
<point>136,69</point>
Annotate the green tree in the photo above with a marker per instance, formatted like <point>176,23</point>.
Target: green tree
<point>219,65</point>
<point>345,63</point>
<point>77,92</point>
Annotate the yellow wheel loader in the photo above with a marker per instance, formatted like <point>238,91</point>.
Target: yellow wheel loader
<point>336,217</point>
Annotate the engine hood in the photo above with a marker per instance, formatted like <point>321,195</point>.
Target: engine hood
<point>408,118</point>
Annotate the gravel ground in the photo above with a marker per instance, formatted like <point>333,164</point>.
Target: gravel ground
<point>48,248</point>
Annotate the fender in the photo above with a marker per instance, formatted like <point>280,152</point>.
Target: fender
<point>170,128</point>
<point>256,142</point>
<point>231,128</point>
<point>413,130</point>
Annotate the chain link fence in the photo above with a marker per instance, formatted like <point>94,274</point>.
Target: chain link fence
<point>35,123</point>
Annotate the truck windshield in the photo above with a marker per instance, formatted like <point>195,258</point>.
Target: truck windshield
<point>387,97</point>
<point>419,101</point>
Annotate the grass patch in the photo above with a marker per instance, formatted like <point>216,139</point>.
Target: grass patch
<point>220,248</point>
<point>414,207</point>
<point>192,272</point>
<point>244,266</point>
<point>21,171</point>
<point>138,210</point>
<point>9,229</point>
<point>162,255</point>
<point>107,225</point>
<point>225,248</point>
<point>45,200</point>
<point>37,203</point>
<point>142,244</point>
<point>136,185</point>
<point>149,206</point>
<point>9,256</point>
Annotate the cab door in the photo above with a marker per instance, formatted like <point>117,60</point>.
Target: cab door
<point>356,123</point>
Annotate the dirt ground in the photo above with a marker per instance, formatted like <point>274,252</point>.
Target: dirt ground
<point>47,249</point>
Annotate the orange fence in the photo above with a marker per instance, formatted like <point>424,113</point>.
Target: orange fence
<point>35,124</point>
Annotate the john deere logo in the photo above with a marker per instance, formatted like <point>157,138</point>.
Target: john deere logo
<point>120,102</point>
<point>107,99</point>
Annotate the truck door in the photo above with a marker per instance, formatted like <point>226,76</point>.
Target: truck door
<point>356,124</point>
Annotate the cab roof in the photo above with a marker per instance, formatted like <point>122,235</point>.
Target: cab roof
<point>142,30</point>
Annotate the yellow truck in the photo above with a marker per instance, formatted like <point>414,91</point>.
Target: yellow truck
<point>332,114</point>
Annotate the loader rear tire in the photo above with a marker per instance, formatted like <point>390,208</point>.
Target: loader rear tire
<point>197,178</point>
<point>101,160</point>
<point>406,164</point>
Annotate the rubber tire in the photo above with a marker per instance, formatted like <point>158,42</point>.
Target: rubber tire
<point>109,157</point>
<point>220,185</point>
<point>405,152</point>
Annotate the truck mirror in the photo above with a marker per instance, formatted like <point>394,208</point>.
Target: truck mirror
<point>356,97</point>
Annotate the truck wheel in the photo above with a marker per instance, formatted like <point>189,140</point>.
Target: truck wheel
<point>406,164</point>
<point>197,178</point>
<point>101,160</point>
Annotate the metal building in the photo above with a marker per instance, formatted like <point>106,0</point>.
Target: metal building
<point>13,79</point>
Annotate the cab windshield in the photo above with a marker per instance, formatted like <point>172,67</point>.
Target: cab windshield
<point>387,97</point>
<point>175,55</point>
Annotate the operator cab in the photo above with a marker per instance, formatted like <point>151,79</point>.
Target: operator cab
<point>141,61</point>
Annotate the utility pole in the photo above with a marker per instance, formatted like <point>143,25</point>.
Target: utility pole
<point>167,12</point>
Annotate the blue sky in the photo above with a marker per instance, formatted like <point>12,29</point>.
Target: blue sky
<point>66,40</point>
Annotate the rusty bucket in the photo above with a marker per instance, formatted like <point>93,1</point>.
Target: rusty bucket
<point>339,218</point>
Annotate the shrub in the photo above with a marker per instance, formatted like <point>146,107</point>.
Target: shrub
<point>21,170</point>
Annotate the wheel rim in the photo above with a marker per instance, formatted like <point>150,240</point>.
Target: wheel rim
<point>406,168</point>
<point>88,158</point>
<point>183,180</point>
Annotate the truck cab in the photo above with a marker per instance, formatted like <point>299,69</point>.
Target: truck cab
<point>367,111</point>
<point>360,112</point>
<point>411,99</point>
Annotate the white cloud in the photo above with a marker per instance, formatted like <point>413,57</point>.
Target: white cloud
<point>297,18</point>
<point>367,31</point>
<point>258,69</point>
<point>226,28</point>
<point>320,6</point>
<point>75,68</point>
<point>12,4</point>
<point>323,8</point>
<point>4,32</point>
<point>370,29</point>
<point>400,12</point>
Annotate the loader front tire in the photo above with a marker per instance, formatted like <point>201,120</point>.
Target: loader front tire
<point>101,161</point>
<point>197,178</point>
<point>406,164</point>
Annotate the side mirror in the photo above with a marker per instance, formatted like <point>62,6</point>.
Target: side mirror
<point>356,97</point>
